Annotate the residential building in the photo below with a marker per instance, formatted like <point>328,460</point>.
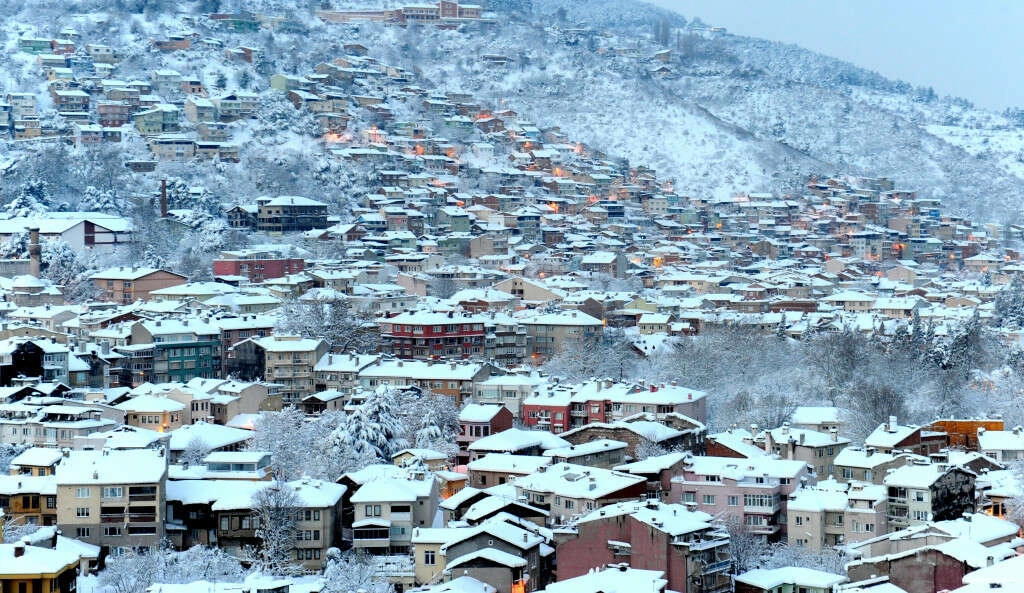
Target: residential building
<point>686,545</point>
<point>128,284</point>
<point>114,499</point>
<point>922,492</point>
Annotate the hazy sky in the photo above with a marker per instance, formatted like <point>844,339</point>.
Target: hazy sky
<point>967,48</point>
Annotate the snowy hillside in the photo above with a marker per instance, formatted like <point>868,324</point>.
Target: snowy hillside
<point>731,114</point>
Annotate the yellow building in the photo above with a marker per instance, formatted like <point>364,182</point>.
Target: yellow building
<point>39,570</point>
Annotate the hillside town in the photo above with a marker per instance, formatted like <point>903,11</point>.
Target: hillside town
<point>469,379</point>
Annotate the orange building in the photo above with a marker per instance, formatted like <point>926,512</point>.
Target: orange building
<point>963,434</point>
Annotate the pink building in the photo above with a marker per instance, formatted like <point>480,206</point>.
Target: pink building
<point>749,492</point>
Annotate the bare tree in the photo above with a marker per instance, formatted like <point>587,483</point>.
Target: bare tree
<point>274,509</point>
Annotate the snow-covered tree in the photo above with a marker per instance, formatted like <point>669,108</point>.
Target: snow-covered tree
<point>372,428</point>
<point>350,572</point>
<point>195,450</point>
<point>429,420</point>
<point>274,508</point>
<point>134,572</point>
<point>334,320</point>
<point>61,264</point>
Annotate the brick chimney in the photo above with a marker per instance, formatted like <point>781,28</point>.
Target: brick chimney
<point>34,251</point>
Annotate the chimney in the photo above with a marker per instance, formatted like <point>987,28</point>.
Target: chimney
<point>869,451</point>
<point>163,198</point>
<point>892,423</point>
<point>835,435</point>
<point>34,251</point>
<point>653,387</point>
<point>19,549</point>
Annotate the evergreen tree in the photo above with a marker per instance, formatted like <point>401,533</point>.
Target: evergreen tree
<point>1008,308</point>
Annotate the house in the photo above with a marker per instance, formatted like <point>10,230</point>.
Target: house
<point>616,578</point>
<point>515,441</point>
<point>290,214</point>
<point>501,468</point>
<point>930,568</point>
<point>128,284</point>
<point>318,518</point>
<point>425,335</point>
<point>25,567</point>
<point>1002,445</point>
<point>568,490</point>
<point>256,265</point>
<point>866,464</point>
<point>477,421</point>
<point>686,545</point>
<point>499,552</point>
<point>814,448</point>
<point>28,499</point>
<point>922,492</point>
<point>551,332</point>
<point>891,436</point>
<point>788,578</point>
<point>389,507</point>
<point>454,379</point>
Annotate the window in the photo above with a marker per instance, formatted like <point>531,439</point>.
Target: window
<point>568,504</point>
<point>82,493</point>
<point>373,510</point>
<point>316,515</point>
<point>246,522</point>
<point>734,501</point>
<point>799,520</point>
<point>113,492</point>
<point>225,523</point>
<point>51,502</point>
<point>919,495</point>
<point>847,473</point>
<point>689,497</point>
<point>82,512</point>
<point>82,531</point>
<point>538,497</point>
<point>429,558</point>
<point>708,499</point>
<point>316,535</point>
<point>112,531</point>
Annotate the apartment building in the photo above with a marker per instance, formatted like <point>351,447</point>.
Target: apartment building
<point>284,360</point>
<point>389,507</point>
<point>832,514</point>
<point>685,544</point>
<point>923,492</point>
<point>128,284</point>
<point>814,448</point>
<point>752,493</point>
<point>114,499</point>
<point>567,491</point>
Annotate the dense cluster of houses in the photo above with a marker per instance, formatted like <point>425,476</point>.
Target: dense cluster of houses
<point>471,288</point>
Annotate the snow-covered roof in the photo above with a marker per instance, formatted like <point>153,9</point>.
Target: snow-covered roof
<point>578,481</point>
<point>517,439</point>
<point>507,463</point>
<point>133,466</point>
<point>480,412</point>
<point>769,578</point>
<point>36,562</point>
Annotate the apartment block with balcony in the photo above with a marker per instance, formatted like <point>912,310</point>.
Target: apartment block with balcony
<point>753,493</point>
<point>424,335</point>
<point>833,514</point>
<point>923,492</point>
<point>284,360</point>
<point>388,508</point>
<point>114,499</point>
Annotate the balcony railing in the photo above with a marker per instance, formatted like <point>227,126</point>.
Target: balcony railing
<point>717,566</point>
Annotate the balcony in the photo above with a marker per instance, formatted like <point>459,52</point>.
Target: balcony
<point>717,566</point>
<point>763,529</point>
<point>898,501</point>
